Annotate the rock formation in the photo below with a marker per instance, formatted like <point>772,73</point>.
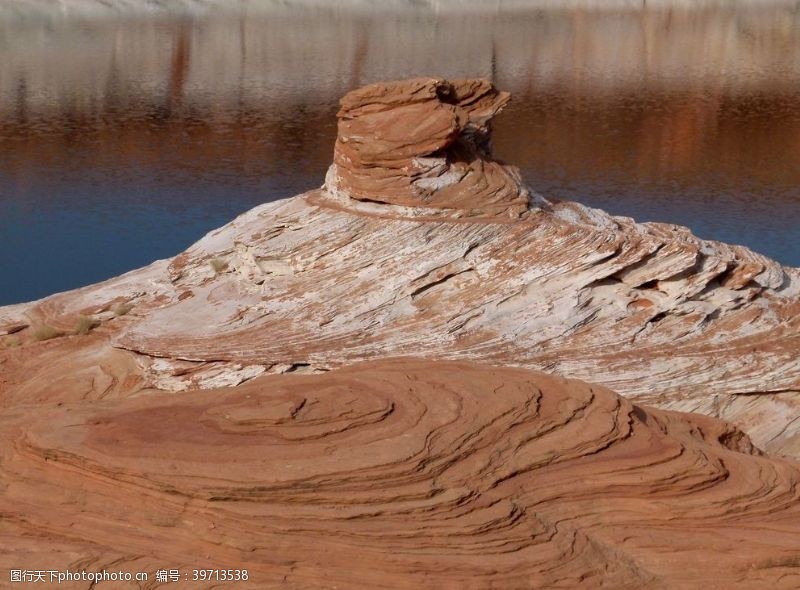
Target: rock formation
<point>344,274</point>
<point>423,145</point>
<point>398,474</point>
<point>422,473</point>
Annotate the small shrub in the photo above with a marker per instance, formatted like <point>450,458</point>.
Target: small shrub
<point>218,265</point>
<point>45,332</point>
<point>122,309</point>
<point>85,325</point>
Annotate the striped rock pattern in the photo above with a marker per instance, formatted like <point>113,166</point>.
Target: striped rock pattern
<point>162,418</point>
<point>340,275</point>
<point>646,309</point>
<point>398,474</point>
<point>424,145</point>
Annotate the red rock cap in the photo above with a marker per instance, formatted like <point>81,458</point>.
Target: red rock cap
<point>424,143</point>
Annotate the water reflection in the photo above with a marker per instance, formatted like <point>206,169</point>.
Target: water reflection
<point>122,141</point>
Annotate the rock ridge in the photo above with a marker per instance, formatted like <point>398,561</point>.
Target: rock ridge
<point>324,280</point>
<point>262,398</point>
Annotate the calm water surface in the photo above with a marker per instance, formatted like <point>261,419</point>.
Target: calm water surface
<point>124,140</point>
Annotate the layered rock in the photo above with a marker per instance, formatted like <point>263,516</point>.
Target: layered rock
<point>162,389</point>
<point>424,145</point>
<point>398,474</point>
<point>372,266</point>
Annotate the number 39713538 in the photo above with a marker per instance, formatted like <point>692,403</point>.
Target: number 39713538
<point>219,575</point>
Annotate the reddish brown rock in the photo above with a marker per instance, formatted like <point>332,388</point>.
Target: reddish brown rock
<point>424,144</point>
<point>399,474</point>
<point>323,280</point>
<point>125,442</point>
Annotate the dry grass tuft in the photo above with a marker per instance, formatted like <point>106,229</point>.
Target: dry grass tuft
<point>85,325</point>
<point>10,342</point>
<point>218,265</point>
<point>122,309</point>
<point>45,332</point>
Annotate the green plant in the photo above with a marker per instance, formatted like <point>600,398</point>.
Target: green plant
<point>218,265</point>
<point>85,324</point>
<point>45,332</point>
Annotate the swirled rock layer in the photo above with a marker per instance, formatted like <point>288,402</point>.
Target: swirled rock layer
<point>424,145</point>
<point>148,421</point>
<point>370,267</point>
<point>646,309</point>
<point>398,474</point>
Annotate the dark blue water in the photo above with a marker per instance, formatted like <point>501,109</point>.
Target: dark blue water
<point>57,237</point>
<point>761,218</point>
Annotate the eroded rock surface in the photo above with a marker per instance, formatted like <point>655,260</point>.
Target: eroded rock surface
<point>398,474</point>
<point>327,278</point>
<point>164,388</point>
<point>424,145</point>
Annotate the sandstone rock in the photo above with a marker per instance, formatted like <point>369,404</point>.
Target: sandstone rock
<point>12,328</point>
<point>398,474</point>
<point>410,473</point>
<point>327,278</point>
<point>128,446</point>
<point>424,144</point>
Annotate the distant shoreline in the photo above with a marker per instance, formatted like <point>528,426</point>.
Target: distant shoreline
<point>69,9</point>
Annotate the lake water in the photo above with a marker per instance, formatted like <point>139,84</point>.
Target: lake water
<point>123,140</point>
